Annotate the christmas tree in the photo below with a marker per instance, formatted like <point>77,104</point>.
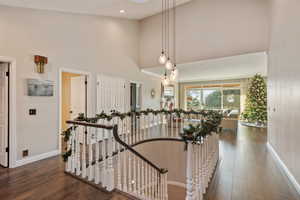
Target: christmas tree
<point>256,102</point>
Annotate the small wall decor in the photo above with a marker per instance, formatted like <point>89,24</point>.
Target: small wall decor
<point>152,93</point>
<point>40,62</point>
<point>37,87</point>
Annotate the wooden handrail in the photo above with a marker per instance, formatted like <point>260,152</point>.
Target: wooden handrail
<point>116,135</point>
<point>117,138</point>
<point>81,123</point>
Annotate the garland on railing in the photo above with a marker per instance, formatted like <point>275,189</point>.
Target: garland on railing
<point>196,133</point>
<point>66,135</point>
<point>209,124</point>
<point>209,114</point>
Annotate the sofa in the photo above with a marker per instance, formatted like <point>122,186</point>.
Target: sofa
<point>230,120</point>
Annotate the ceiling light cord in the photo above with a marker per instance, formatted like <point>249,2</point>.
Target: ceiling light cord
<point>162,27</point>
<point>174,32</point>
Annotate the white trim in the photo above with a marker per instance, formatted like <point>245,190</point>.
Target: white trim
<point>284,167</point>
<point>151,73</point>
<point>177,184</point>
<point>89,91</point>
<point>12,110</point>
<point>32,159</point>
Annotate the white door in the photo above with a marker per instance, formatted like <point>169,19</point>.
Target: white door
<point>3,115</point>
<point>112,94</point>
<point>78,96</point>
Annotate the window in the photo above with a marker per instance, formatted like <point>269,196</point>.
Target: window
<point>231,99</point>
<point>212,98</point>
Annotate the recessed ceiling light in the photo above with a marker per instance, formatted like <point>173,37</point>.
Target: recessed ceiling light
<point>122,11</point>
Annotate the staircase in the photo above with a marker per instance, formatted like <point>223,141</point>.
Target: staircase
<point>103,154</point>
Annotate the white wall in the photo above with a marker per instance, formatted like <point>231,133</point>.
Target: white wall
<point>92,43</point>
<point>210,29</point>
<point>284,83</point>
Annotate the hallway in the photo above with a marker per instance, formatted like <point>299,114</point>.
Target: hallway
<point>247,170</point>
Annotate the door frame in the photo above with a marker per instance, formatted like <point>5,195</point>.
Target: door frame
<point>12,121</point>
<point>89,99</point>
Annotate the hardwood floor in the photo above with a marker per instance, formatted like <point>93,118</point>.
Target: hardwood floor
<point>247,171</point>
<point>46,180</point>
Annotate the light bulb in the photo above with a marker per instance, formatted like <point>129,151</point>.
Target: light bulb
<point>162,58</point>
<point>169,64</point>
<point>165,80</point>
<point>174,74</point>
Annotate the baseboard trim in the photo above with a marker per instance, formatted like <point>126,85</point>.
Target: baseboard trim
<point>177,184</point>
<point>32,159</point>
<point>284,167</point>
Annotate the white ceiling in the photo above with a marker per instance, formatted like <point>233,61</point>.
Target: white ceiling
<point>234,67</point>
<point>133,10</point>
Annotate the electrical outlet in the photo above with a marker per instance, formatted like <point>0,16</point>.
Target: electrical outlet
<point>25,153</point>
<point>32,111</point>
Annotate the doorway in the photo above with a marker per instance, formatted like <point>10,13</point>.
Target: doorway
<point>4,114</point>
<point>135,96</point>
<point>74,99</point>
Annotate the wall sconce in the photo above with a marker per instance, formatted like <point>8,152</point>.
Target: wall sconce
<point>40,62</point>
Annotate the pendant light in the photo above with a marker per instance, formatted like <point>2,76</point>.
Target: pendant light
<point>174,73</point>
<point>165,80</point>
<point>163,57</point>
<point>168,64</point>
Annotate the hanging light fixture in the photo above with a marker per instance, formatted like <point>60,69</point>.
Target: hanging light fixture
<point>165,80</point>
<point>174,74</point>
<point>169,64</point>
<point>165,57</point>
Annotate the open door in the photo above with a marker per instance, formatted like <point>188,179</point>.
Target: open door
<point>78,96</point>
<point>4,114</point>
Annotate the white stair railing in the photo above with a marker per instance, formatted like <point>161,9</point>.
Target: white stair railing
<point>202,160</point>
<point>102,153</point>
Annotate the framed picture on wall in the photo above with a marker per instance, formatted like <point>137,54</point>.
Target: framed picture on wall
<point>36,87</point>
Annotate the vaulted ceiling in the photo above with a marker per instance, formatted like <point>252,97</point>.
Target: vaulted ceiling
<point>134,9</point>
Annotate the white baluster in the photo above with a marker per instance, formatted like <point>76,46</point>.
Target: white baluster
<point>90,146</point>
<point>97,168</point>
<point>196,172</point>
<point>73,155</point>
<point>125,183</point>
<point>166,186</point>
<point>147,181</point>
<point>110,170</point>
<point>200,176</point>
<point>139,185</point>
<point>189,172</point>
<point>77,151</point>
<point>69,144</point>
<point>206,162</point>
<point>130,165</point>
<point>203,161</point>
<point>152,182</point>
<point>84,137</point>
<point>119,154</point>
<point>103,166</point>
<point>143,182</point>
<point>134,178</point>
